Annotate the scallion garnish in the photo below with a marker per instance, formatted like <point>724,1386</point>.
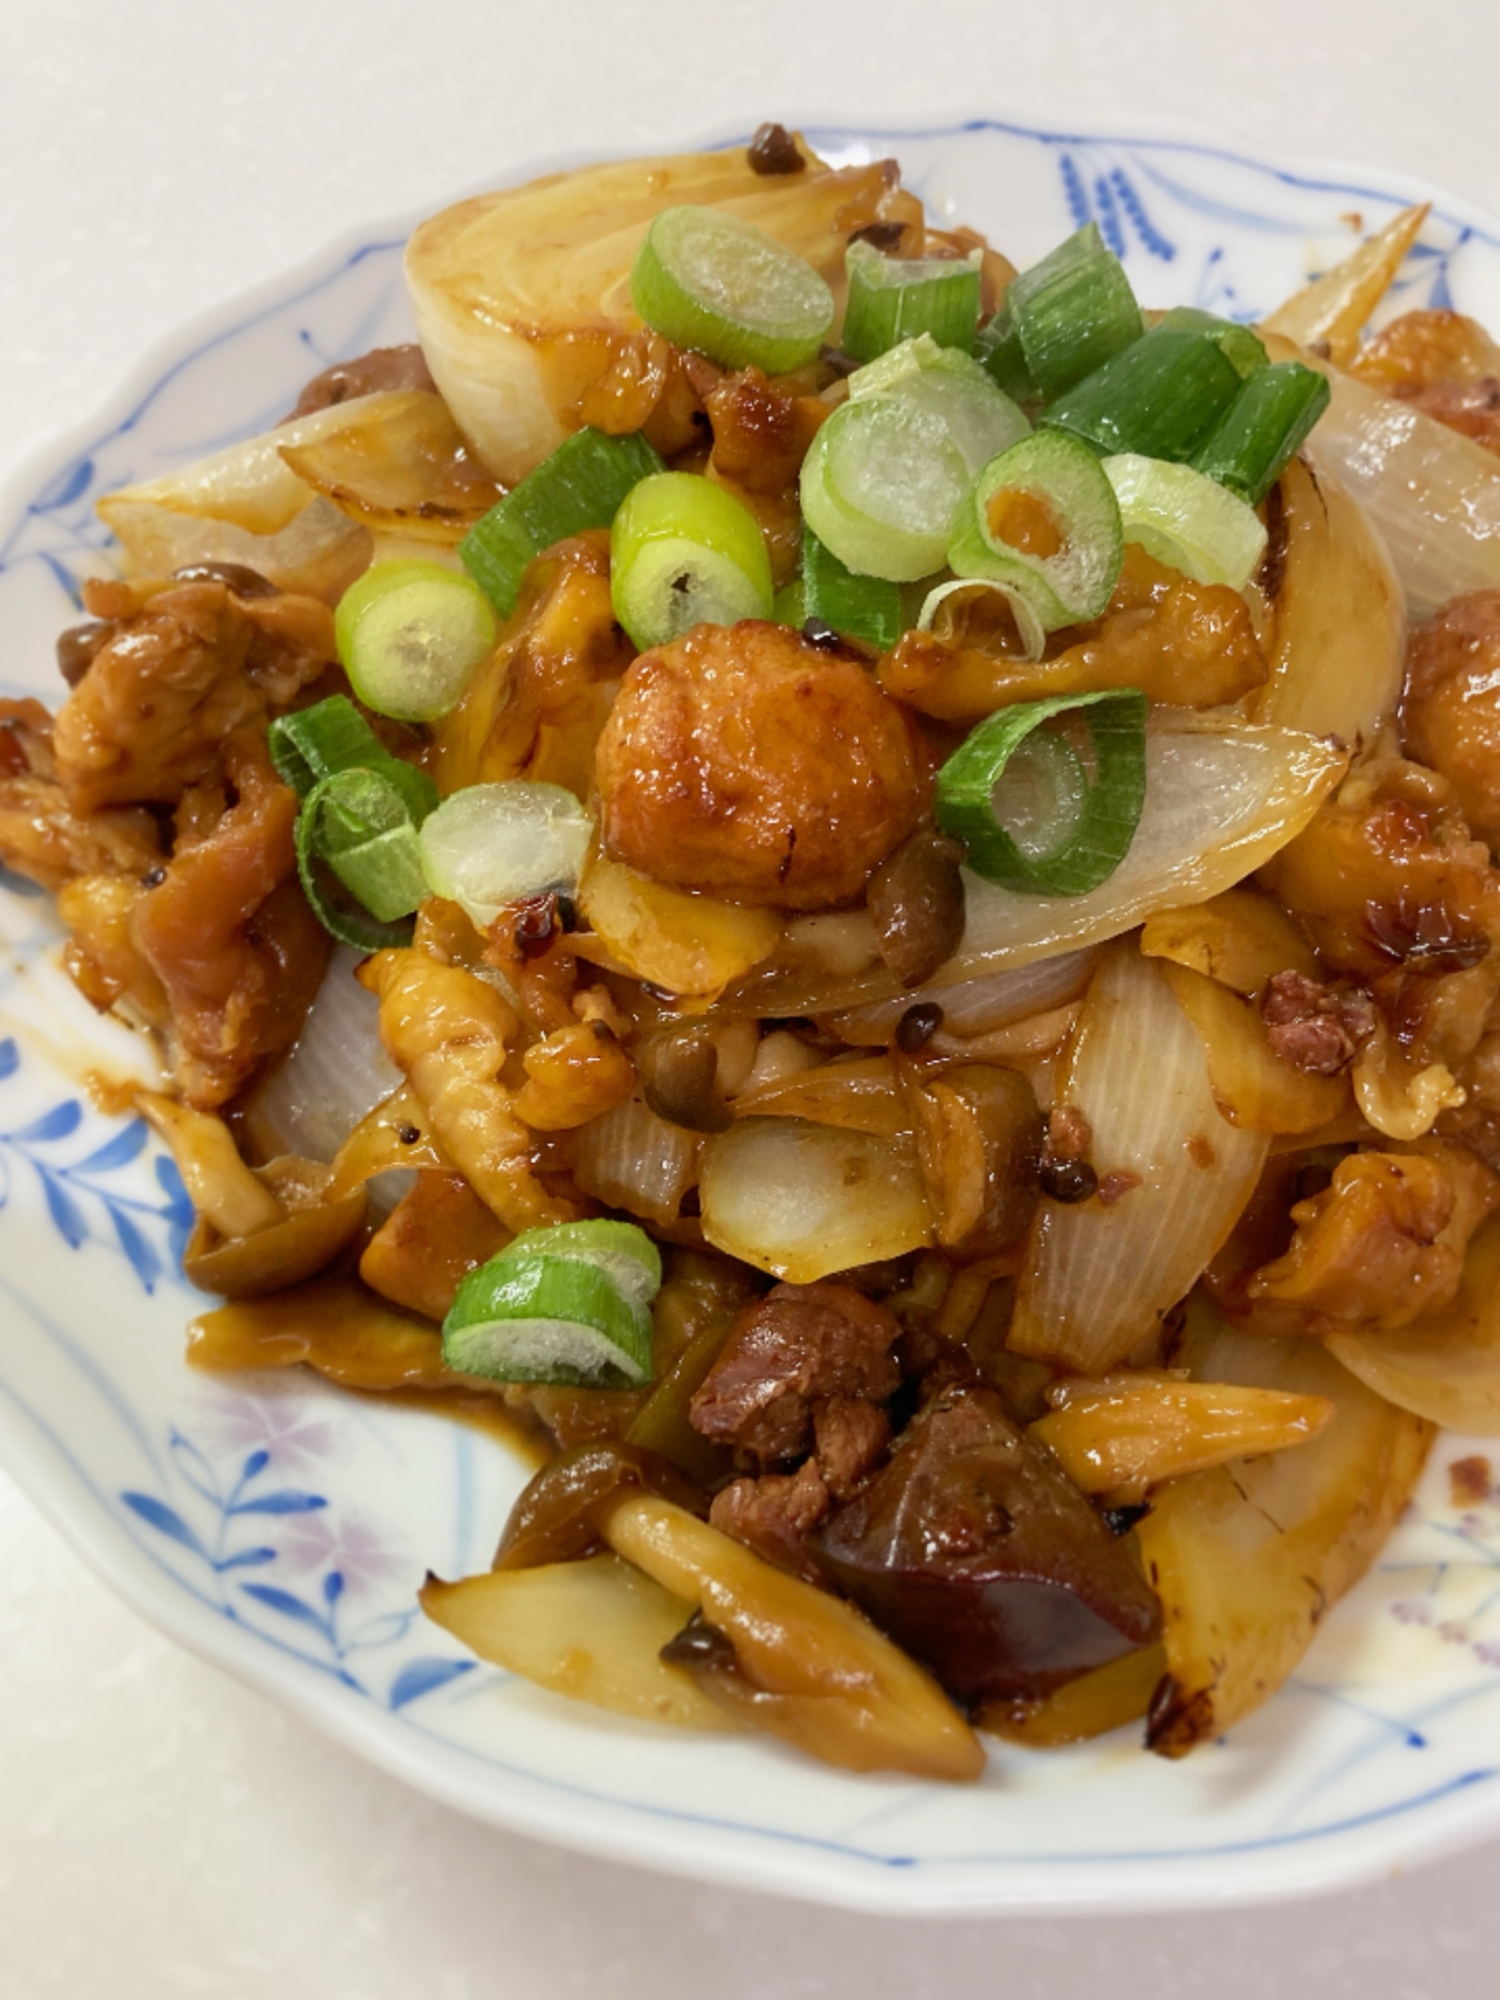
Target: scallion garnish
<point>981,420</point>
<point>313,743</point>
<point>1032,816</point>
<point>1240,345</point>
<point>569,1305</point>
<point>1265,425</point>
<point>357,825</point>
<point>490,845</point>
<point>1187,520</point>
<point>892,299</point>
<point>1042,522</point>
<point>683,552</point>
<point>861,607</point>
<point>410,634</point>
<point>1161,397</point>
<point>887,473</point>
<point>1061,319</point>
<point>580,486</point>
<point>715,283</point>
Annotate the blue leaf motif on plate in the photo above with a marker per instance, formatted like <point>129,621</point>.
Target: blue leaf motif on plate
<point>10,1058</point>
<point>276,1599</point>
<point>70,485</point>
<point>66,1215</point>
<point>288,1501</point>
<point>118,1151</point>
<point>59,1123</point>
<point>246,1559</point>
<point>166,1520</point>
<point>419,1677</point>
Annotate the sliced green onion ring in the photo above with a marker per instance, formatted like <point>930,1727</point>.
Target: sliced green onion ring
<point>979,418</point>
<point>621,1250</point>
<point>1267,423</point>
<point>580,486</point>
<point>490,845</point>
<point>1187,520</point>
<point>410,635</point>
<point>683,552</point>
<point>1070,829</point>
<point>542,1317</point>
<point>881,486</point>
<point>861,607</point>
<point>313,743</point>
<point>1077,581</point>
<point>712,282</point>
<point>891,299</point>
<point>357,826</point>
<point>1032,632</point>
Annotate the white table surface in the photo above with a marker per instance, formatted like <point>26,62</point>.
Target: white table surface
<point>164,1832</point>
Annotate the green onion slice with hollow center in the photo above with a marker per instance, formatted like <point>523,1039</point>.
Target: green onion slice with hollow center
<point>580,486</point>
<point>952,387</point>
<point>881,485</point>
<point>490,845</point>
<point>891,299</point>
<point>1042,520</point>
<point>357,827</point>
<point>683,552</point>
<point>712,282</point>
<point>1029,628</point>
<point>1033,817</point>
<point>568,1305</point>
<point>1187,520</point>
<point>410,635</point>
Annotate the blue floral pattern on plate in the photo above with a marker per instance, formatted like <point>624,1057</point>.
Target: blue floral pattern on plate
<point>282,1528</point>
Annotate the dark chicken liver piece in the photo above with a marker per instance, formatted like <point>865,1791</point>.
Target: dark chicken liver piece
<point>979,1557</point>
<point>787,1351</point>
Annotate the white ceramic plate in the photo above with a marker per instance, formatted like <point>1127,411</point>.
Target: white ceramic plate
<point>281,1529</point>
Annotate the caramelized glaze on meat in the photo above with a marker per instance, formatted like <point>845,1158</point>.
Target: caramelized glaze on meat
<point>193,665</point>
<point>1451,712</point>
<point>743,762</point>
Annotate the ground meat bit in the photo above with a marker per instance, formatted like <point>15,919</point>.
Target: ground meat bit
<point>1441,363</point>
<point>742,762</point>
<point>786,1351</point>
<point>173,681</point>
<point>1450,716</point>
<point>1115,1185</point>
<point>1315,1027</point>
<point>850,1436</point>
<point>761,431</point>
<point>382,368</point>
<point>1470,1481</point>
<point>773,1513</point>
<point>1069,1134</point>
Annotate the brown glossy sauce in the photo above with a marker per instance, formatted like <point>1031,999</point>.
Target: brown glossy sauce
<point>343,1331</point>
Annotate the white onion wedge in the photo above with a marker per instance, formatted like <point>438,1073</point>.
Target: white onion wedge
<point>632,1159</point>
<point>802,1200</point>
<point>973,1006</point>
<point>1337,646</point>
<point>336,1072</point>
<point>246,505</point>
<point>1222,796</point>
<point>1430,493</point>
<point>1446,1366</point>
<point>522,298</point>
<point>1098,1279</point>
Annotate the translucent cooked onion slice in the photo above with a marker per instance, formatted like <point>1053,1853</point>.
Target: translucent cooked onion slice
<point>1100,1276</point>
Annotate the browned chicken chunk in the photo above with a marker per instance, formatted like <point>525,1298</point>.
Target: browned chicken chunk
<point>149,716</point>
<point>1451,713</point>
<point>745,762</point>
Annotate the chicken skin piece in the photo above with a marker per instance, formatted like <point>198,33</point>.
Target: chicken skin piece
<point>745,762</point>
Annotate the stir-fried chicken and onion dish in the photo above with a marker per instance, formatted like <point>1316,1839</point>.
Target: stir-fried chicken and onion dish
<point>856,887</point>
